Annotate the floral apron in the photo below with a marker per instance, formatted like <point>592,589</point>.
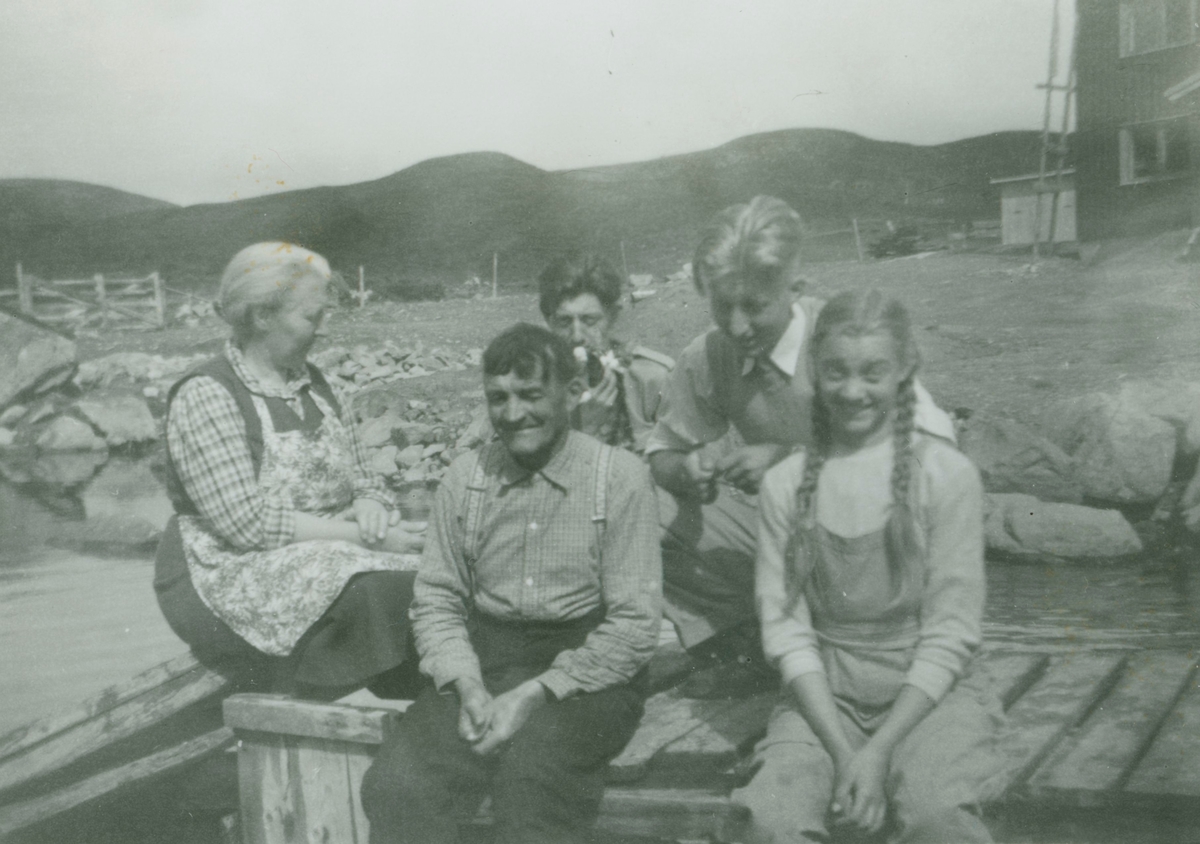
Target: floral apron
<point>270,598</point>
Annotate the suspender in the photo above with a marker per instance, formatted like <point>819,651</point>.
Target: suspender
<point>474,505</point>
<point>477,487</point>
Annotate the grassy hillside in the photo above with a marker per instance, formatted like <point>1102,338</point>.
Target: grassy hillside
<point>443,219</point>
<point>37,216</point>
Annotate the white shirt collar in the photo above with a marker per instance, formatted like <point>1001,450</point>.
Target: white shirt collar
<point>786,354</point>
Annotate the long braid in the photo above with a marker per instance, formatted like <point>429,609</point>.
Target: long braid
<point>798,558</point>
<point>901,526</point>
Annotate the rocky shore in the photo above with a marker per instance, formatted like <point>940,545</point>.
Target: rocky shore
<point>1110,475</point>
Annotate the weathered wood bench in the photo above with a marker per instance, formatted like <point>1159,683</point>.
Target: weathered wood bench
<point>1084,728</point>
<point>156,725</point>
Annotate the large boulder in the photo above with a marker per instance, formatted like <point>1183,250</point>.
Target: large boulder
<point>30,356</point>
<point>1174,401</point>
<point>1013,458</point>
<point>383,430</point>
<point>1122,453</point>
<point>108,534</point>
<point>121,419</point>
<point>66,433</point>
<point>51,469</point>
<point>126,487</point>
<point>382,461</point>
<point>1021,526</point>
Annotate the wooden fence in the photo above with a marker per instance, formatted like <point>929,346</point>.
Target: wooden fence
<point>109,302</point>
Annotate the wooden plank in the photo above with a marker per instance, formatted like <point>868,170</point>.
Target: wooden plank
<point>1011,674</point>
<point>1172,764</point>
<point>110,724</point>
<point>331,721</point>
<point>668,715</point>
<point>672,814</point>
<point>26,813</point>
<point>325,791</point>
<point>252,763</point>
<point>1095,760</point>
<point>269,790</point>
<point>358,760</point>
<point>722,737</point>
<point>1058,701</point>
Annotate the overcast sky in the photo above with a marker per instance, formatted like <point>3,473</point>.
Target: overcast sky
<point>212,100</point>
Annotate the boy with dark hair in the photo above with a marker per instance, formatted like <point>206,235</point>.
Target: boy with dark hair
<point>579,295</point>
<point>535,612</point>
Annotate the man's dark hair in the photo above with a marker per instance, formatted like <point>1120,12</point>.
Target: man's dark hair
<point>574,275</point>
<point>525,349</point>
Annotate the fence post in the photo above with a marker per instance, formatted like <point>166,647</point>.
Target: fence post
<point>495,274</point>
<point>102,299</point>
<point>24,292</point>
<point>858,241</point>
<point>160,299</point>
<point>362,287</point>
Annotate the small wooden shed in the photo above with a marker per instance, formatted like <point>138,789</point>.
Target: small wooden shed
<point>1019,198</point>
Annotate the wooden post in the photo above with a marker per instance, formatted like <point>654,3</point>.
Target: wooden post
<point>362,287</point>
<point>624,263</point>
<point>102,299</point>
<point>24,292</point>
<point>160,299</point>
<point>495,274</point>
<point>858,241</point>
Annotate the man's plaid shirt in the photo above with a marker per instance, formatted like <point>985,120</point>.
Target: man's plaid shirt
<point>539,560</point>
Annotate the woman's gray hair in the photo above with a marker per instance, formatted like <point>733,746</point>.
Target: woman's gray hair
<point>259,279</point>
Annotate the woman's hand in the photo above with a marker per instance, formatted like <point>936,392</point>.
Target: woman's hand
<point>859,797</point>
<point>404,538</point>
<point>373,520</point>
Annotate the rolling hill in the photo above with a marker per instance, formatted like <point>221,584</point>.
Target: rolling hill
<point>442,219</point>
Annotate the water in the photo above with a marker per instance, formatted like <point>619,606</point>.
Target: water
<point>74,622</point>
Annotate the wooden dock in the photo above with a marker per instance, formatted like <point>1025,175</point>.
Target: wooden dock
<point>156,725</point>
<point>1118,729</point>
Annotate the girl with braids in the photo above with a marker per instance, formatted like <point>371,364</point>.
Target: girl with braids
<point>746,376</point>
<point>870,589</point>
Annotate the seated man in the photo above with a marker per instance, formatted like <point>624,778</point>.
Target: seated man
<point>535,612</point>
<point>580,298</point>
<point>749,372</point>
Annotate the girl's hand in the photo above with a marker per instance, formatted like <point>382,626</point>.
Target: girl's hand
<point>406,538</point>
<point>373,519</point>
<point>859,797</point>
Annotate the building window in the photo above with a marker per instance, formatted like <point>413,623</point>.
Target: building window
<point>1148,25</point>
<point>1152,151</point>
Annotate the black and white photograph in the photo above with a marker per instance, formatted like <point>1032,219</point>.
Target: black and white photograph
<point>661,422</point>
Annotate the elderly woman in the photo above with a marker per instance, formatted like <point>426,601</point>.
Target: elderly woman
<point>283,562</point>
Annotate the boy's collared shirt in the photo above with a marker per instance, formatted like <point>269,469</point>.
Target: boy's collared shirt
<point>786,354</point>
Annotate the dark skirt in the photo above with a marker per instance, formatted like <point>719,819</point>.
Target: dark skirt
<point>362,639</point>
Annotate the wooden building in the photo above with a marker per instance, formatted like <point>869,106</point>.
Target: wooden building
<point>1020,215</point>
<point>1137,144</point>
